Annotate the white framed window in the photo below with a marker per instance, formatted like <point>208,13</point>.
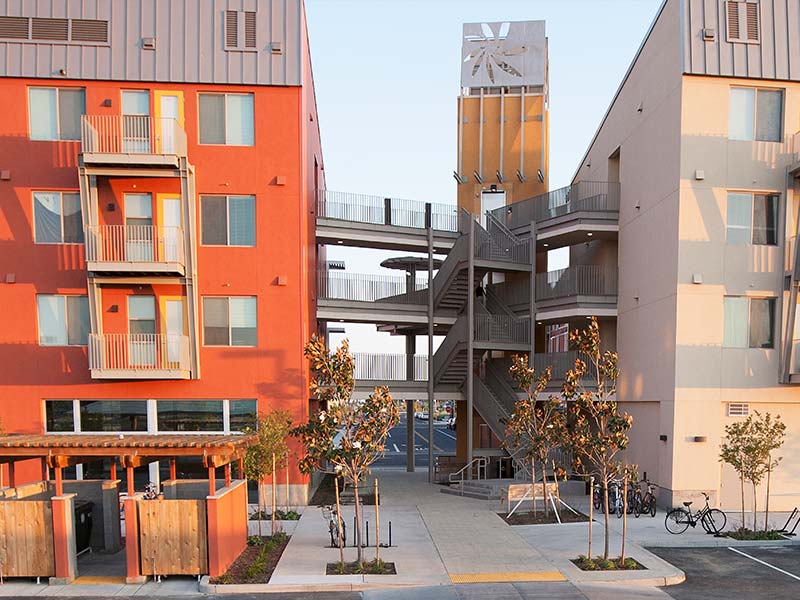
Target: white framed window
<point>230,321</point>
<point>63,320</point>
<point>755,114</point>
<point>752,219</point>
<point>57,218</point>
<point>226,119</point>
<point>743,20</point>
<point>737,409</point>
<point>55,113</point>
<point>228,220</point>
<point>749,322</point>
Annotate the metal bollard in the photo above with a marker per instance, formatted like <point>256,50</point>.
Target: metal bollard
<point>367,546</point>
<point>390,534</point>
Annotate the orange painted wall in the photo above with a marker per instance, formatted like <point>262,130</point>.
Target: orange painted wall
<point>227,527</point>
<point>275,372</point>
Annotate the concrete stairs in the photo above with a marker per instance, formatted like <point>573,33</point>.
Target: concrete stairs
<point>483,489</point>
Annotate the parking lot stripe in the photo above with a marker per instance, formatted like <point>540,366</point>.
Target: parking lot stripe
<point>452,437</point>
<point>396,449</point>
<point>766,564</point>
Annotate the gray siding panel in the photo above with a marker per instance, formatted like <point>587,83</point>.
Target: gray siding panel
<point>777,56</point>
<point>189,42</point>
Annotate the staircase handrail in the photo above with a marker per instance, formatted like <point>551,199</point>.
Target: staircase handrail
<point>456,335</point>
<point>492,296</point>
<point>479,462</point>
<point>496,377</point>
<point>449,268</point>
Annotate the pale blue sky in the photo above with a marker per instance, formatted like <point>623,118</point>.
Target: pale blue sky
<point>387,79</point>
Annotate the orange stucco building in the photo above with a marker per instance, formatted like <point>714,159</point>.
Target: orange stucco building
<point>158,176</point>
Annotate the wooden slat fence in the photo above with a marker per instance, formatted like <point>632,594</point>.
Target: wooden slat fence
<point>26,538</point>
<point>172,536</point>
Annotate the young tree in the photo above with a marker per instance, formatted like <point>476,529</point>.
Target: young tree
<point>536,426</point>
<point>738,451</point>
<point>771,434</point>
<point>598,430</point>
<point>347,435</point>
<point>260,460</point>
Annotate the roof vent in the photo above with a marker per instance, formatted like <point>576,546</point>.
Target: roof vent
<point>14,28</point>
<point>149,43</point>
<point>709,34</point>
<point>49,29</point>
<point>89,30</point>
<point>276,47</point>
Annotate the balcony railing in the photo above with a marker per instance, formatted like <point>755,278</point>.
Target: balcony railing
<point>497,243</point>
<point>581,280</point>
<point>502,328</point>
<point>133,354</point>
<point>134,244</point>
<point>388,367</point>
<point>584,196</point>
<point>132,135</point>
<point>377,210</point>
<point>559,362</point>
<point>358,287</point>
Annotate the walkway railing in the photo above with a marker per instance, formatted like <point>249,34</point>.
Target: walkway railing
<point>132,134</point>
<point>559,362</point>
<point>388,367</point>
<point>496,242</point>
<point>591,196</point>
<point>377,210</point>
<point>134,244</point>
<point>138,351</point>
<point>580,280</point>
<point>358,287</point>
<point>502,328</point>
<point>477,466</point>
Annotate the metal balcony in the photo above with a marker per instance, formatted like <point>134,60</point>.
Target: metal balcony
<point>377,368</point>
<point>582,290</point>
<point>139,356</point>
<point>132,141</point>
<point>567,215</point>
<point>145,249</point>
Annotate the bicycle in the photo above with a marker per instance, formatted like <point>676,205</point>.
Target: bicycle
<point>678,520</point>
<point>647,503</point>
<point>329,513</point>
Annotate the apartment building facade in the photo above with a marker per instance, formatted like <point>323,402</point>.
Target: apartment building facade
<point>158,172</point>
<point>702,138</point>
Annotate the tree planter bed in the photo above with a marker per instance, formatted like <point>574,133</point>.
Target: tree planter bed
<point>256,563</point>
<point>539,518</point>
<point>612,564</point>
<point>353,568</point>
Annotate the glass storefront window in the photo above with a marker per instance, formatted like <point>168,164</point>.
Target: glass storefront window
<point>113,415</point>
<point>59,416</point>
<point>243,414</point>
<point>190,415</point>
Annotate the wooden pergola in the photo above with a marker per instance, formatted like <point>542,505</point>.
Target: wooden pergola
<point>58,451</point>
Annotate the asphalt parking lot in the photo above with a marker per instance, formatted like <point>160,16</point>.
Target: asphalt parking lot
<point>724,573</point>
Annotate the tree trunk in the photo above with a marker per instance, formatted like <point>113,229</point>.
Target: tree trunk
<point>287,482</point>
<point>624,519</point>
<point>544,488</point>
<point>755,525</point>
<point>591,513</point>
<point>274,482</point>
<point>741,482</point>
<point>260,512</point>
<point>377,524</point>
<point>605,513</point>
<point>533,486</point>
<point>339,522</point>
<point>359,549</point>
<point>766,508</point>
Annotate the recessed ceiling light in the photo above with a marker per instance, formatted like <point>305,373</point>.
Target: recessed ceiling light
<point>341,320</point>
<point>546,245</point>
<point>341,242</point>
<point>538,322</point>
<point>590,234</point>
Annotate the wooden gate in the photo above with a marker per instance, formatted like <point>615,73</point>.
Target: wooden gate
<point>172,537</point>
<point>26,538</point>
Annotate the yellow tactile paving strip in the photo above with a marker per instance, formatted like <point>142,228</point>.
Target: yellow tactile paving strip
<point>506,577</point>
<point>99,579</point>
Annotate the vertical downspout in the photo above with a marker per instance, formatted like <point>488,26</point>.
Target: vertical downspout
<point>522,130</point>
<point>461,133</point>
<point>502,125</point>
<point>480,139</point>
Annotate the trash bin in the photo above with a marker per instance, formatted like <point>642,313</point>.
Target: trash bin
<point>83,525</point>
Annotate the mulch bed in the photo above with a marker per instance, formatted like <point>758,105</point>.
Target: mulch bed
<point>353,568</point>
<point>241,571</point>
<point>612,564</point>
<point>748,534</point>
<point>539,518</point>
<point>326,494</point>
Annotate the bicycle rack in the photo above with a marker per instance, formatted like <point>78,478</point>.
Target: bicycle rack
<point>785,529</point>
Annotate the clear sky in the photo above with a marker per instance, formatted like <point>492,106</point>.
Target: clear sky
<point>387,79</point>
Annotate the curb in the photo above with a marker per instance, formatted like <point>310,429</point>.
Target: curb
<point>265,588</point>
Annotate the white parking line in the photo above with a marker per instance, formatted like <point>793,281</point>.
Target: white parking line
<point>766,564</point>
<point>396,449</point>
<point>452,437</point>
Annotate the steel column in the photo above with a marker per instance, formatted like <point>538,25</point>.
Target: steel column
<point>470,339</point>
<point>431,399</point>
<point>411,344</point>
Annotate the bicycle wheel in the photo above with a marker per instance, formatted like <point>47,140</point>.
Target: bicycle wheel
<point>637,506</point>
<point>620,508</point>
<point>652,507</point>
<point>596,499</point>
<point>677,521</point>
<point>714,521</point>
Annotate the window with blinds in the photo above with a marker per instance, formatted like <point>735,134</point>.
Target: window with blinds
<point>240,30</point>
<point>743,21</point>
<point>230,321</point>
<point>228,220</point>
<point>227,119</point>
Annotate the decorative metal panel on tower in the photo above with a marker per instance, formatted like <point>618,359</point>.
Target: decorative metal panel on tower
<point>503,54</point>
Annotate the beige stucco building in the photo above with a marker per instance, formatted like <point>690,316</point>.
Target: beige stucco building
<point>702,137</point>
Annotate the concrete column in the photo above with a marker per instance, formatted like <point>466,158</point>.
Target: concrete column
<point>65,551</point>
<point>134,572</point>
<point>470,341</point>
